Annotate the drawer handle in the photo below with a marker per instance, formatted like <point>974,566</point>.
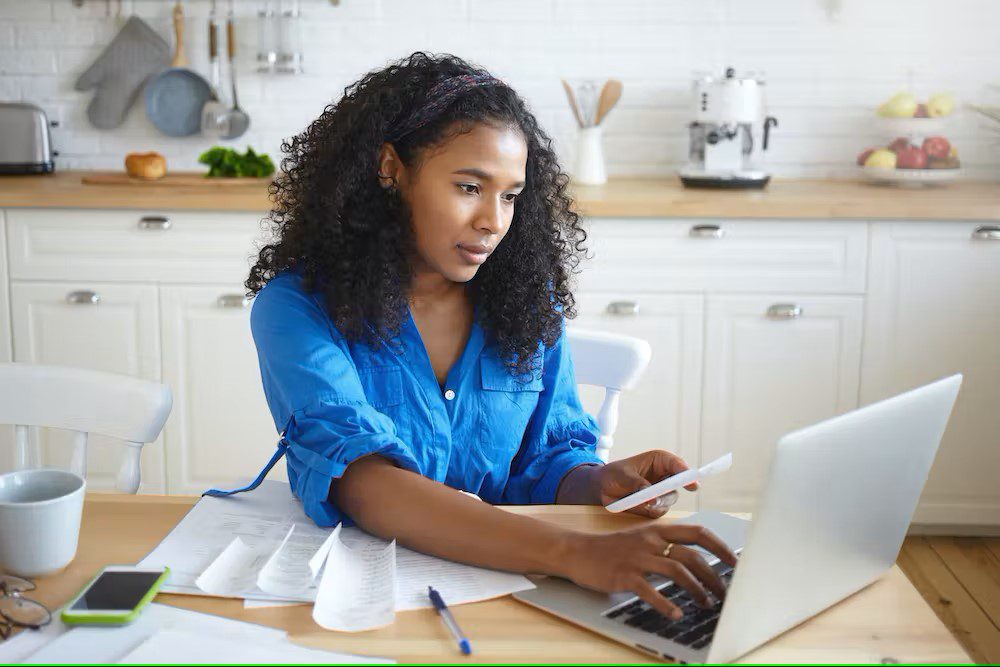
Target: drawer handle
<point>784,311</point>
<point>233,301</point>
<point>708,232</point>
<point>83,297</point>
<point>623,308</point>
<point>157,222</point>
<point>987,233</point>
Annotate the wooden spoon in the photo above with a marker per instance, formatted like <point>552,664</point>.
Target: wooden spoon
<point>572,103</point>
<point>610,94</point>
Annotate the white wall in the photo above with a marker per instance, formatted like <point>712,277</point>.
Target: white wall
<point>827,64</point>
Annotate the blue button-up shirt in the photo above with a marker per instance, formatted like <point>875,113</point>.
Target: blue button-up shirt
<point>506,439</point>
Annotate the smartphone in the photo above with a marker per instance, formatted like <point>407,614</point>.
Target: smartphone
<point>672,483</point>
<point>115,596</point>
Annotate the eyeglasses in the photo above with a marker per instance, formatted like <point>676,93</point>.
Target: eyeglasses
<point>17,611</point>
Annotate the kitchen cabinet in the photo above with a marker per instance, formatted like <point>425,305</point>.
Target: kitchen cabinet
<point>101,326</point>
<point>765,362</point>
<point>219,419</point>
<point>698,255</point>
<point>6,349</point>
<point>934,309</point>
<point>773,364</point>
<point>662,411</point>
<point>127,246</point>
<point>724,376</point>
<point>220,430</point>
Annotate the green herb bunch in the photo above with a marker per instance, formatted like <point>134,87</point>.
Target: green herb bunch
<point>224,161</point>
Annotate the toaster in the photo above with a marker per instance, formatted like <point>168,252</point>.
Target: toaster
<point>25,145</point>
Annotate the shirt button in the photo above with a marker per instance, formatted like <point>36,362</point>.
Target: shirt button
<point>449,395</point>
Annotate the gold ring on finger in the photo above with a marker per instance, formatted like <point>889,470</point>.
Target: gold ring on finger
<point>666,552</point>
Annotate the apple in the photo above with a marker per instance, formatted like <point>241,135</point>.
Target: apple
<point>882,158</point>
<point>921,111</point>
<point>943,163</point>
<point>900,105</point>
<point>911,158</point>
<point>863,156</point>
<point>936,146</point>
<point>940,104</point>
<point>899,144</point>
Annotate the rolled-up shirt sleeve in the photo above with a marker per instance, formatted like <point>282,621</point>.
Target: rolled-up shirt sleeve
<point>560,436</point>
<point>316,398</point>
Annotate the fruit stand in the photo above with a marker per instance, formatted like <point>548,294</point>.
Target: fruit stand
<point>920,152</point>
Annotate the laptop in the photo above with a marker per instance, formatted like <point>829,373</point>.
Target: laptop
<point>831,519</point>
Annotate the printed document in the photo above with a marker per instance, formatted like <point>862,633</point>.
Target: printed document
<point>261,546</point>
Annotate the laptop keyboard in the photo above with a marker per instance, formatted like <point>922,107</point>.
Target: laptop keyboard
<point>695,629</point>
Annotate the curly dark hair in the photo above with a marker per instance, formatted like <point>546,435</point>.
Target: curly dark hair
<point>352,240</point>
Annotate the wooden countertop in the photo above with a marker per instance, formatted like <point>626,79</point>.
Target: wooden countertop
<point>620,197</point>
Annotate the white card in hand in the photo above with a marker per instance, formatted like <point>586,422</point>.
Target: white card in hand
<point>672,483</point>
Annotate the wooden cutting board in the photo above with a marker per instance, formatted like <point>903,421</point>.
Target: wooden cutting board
<point>175,179</point>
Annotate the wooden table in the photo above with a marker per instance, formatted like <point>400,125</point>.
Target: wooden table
<point>887,620</point>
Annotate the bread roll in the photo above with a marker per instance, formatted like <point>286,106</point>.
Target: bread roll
<point>147,166</point>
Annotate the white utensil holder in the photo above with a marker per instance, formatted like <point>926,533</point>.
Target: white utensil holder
<point>590,157</point>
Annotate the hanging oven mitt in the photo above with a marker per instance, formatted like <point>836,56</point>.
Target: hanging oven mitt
<point>135,54</point>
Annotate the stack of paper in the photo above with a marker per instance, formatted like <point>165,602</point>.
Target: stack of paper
<point>163,635</point>
<point>261,546</point>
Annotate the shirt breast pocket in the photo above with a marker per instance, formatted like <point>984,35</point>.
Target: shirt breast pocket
<point>383,386</point>
<point>507,405</point>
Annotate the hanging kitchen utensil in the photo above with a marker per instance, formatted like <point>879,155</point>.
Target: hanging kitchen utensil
<point>237,119</point>
<point>135,54</point>
<point>214,115</point>
<point>290,40</point>
<point>175,97</point>
<point>267,38</point>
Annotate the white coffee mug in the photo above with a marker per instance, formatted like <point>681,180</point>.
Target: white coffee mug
<point>40,512</point>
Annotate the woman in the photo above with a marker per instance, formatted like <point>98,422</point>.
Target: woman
<point>409,325</point>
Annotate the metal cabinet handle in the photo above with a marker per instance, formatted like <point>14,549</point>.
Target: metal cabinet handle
<point>707,232</point>
<point>157,222</point>
<point>784,311</point>
<point>233,301</point>
<point>623,308</point>
<point>83,297</point>
<point>987,233</point>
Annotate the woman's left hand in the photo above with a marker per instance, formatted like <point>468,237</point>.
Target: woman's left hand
<point>621,478</point>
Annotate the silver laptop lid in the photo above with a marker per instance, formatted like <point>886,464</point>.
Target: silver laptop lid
<point>838,501</point>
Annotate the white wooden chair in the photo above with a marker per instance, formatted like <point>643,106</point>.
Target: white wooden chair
<point>83,401</point>
<point>613,361</point>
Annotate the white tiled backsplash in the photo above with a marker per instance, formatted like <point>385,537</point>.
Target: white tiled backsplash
<point>827,64</point>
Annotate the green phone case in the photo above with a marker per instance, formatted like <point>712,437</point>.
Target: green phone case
<point>71,617</point>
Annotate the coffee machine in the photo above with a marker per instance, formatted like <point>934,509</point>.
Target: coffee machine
<point>729,118</point>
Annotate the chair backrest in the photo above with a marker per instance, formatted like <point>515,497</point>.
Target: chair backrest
<point>613,361</point>
<point>83,401</point>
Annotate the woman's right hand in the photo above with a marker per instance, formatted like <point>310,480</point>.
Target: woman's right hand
<point>620,561</point>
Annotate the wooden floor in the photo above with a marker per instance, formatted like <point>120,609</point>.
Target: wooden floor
<point>960,579</point>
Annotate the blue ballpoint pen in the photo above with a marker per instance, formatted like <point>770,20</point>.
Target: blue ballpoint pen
<point>449,620</point>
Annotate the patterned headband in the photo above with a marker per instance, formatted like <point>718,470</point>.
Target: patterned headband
<point>439,98</point>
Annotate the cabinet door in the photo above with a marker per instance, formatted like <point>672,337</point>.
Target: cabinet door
<point>104,327</point>
<point>220,432</point>
<point>769,371</point>
<point>6,353</point>
<point>662,411</point>
<point>934,310</point>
